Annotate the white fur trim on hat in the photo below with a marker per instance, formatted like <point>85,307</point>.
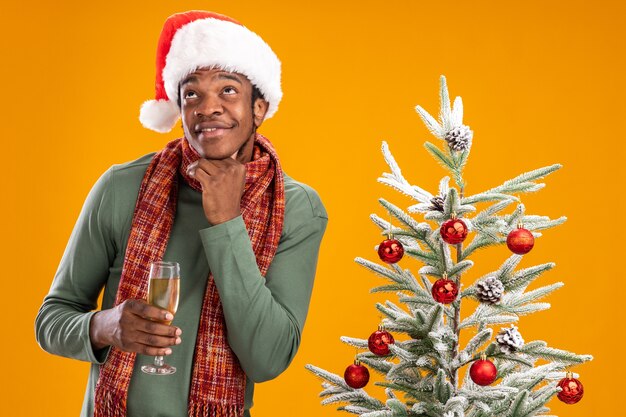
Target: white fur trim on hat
<point>159,115</point>
<point>217,43</point>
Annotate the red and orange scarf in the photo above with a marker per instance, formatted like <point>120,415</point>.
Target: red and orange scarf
<point>215,390</point>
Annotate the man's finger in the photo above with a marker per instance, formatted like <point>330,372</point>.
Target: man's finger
<point>157,341</point>
<point>191,169</point>
<point>147,311</point>
<point>159,329</point>
<point>150,350</point>
<point>200,166</point>
<point>202,176</point>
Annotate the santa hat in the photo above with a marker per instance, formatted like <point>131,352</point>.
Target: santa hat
<point>197,39</point>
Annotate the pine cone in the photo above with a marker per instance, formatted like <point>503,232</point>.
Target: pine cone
<point>459,138</point>
<point>509,339</point>
<point>489,290</point>
<point>436,203</point>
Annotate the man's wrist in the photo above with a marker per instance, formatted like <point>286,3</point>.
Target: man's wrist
<point>96,333</point>
<point>214,220</point>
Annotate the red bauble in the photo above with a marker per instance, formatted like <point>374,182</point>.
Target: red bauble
<point>445,291</point>
<point>572,390</point>
<point>483,372</point>
<point>453,231</point>
<point>520,241</point>
<point>356,375</point>
<point>379,342</point>
<point>390,251</point>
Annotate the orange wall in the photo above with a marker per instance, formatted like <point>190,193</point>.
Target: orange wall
<point>542,82</point>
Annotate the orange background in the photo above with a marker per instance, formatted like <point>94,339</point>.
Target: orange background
<point>542,82</point>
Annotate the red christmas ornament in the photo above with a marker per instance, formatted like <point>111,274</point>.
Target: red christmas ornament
<point>379,342</point>
<point>571,389</point>
<point>356,375</point>
<point>453,231</point>
<point>483,372</point>
<point>390,251</point>
<point>520,241</point>
<point>444,290</point>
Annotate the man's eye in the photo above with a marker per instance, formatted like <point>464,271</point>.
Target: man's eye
<point>190,94</point>
<point>230,90</point>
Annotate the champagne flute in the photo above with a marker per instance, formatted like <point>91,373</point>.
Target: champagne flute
<point>163,292</point>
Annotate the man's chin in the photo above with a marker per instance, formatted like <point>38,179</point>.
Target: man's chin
<point>219,147</point>
<point>212,153</point>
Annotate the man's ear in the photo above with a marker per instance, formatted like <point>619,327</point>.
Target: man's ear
<point>259,109</point>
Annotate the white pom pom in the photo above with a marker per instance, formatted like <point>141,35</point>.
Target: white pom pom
<point>159,115</point>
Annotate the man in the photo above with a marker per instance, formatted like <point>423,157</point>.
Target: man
<point>245,234</point>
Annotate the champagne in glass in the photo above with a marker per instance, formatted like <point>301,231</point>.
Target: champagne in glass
<point>163,292</point>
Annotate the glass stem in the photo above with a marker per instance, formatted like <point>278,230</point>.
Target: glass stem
<point>158,361</point>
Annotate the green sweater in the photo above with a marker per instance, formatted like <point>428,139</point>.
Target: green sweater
<point>264,315</point>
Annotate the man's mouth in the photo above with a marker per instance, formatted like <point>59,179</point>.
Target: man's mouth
<point>211,132</point>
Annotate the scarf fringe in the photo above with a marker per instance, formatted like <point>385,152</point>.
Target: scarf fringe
<point>111,404</point>
<point>215,410</point>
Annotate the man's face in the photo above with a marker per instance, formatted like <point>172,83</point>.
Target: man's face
<point>219,119</point>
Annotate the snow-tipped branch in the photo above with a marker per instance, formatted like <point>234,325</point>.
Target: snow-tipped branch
<point>485,315</point>
<point>335,380</point>
<point>487,196</point>
<point>540,349</point>
<point>475,343</point>
<point>396,180</point>
<point>525,182</point>
<point>523,277</point>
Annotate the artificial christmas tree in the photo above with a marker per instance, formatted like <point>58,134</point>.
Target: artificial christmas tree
<point>421,372</point>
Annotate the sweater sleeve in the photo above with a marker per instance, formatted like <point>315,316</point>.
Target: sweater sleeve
<point>62,324</point>
<point>265,316</point>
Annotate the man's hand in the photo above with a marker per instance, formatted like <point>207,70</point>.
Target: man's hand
<point>223,184</point>
<point>135,326</point>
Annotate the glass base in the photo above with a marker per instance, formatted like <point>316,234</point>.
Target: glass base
<point>164,369</point>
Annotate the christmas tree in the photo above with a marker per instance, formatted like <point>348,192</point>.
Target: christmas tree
<point>506,376</point>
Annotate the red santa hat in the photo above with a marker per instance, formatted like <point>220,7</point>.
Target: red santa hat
<point>198,39</point>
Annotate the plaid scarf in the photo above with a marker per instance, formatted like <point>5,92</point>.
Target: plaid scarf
<point>218,382</point>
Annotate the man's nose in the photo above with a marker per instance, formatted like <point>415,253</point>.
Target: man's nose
<point>210,105</point>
